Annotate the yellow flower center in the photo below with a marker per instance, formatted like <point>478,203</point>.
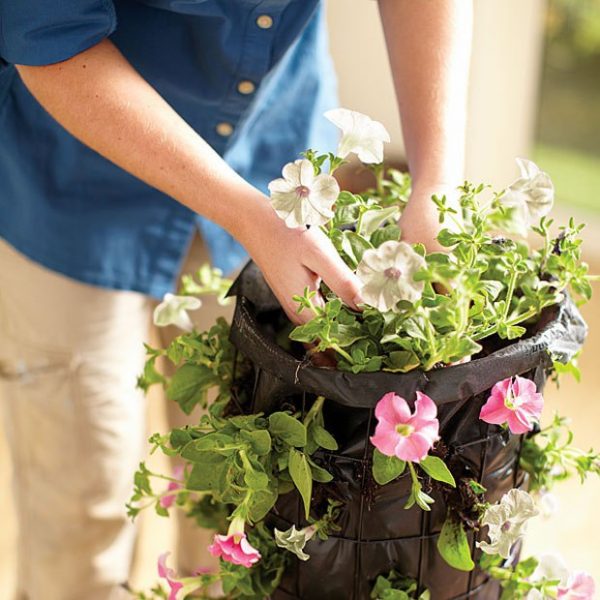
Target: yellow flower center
<point>511,401</point>
<point>404,429</point>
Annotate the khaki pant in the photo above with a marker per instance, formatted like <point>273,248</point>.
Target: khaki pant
<point>69,357</point>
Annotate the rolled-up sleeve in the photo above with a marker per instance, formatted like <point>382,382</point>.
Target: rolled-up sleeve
<point>42,32</point>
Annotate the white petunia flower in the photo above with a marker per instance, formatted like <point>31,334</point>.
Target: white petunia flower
<point>506,521</point>
<point>294,540</point>
<point>301,197</point>
<point>531,195</point>
<point>360,134</point>
<point>173,311</point>
<point>387,275</point>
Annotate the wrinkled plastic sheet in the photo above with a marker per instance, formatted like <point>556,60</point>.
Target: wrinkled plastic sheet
<point>377,533</point>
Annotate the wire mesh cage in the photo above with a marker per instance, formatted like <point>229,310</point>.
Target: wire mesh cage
<point>376,533</point>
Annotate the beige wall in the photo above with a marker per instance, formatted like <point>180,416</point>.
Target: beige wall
<point>504,76</point>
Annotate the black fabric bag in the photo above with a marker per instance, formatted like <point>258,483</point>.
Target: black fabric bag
<point>377,533</point>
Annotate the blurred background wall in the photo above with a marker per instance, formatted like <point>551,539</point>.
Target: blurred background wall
<point>534,92</point>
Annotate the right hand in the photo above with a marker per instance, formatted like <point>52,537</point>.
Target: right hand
<point>293,259</point>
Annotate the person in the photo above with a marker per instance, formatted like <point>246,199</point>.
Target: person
<point>126,127</point>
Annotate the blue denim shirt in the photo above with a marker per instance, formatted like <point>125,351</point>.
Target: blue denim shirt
<point>69,209</point>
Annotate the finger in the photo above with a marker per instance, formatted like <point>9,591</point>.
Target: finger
<point>323,259</point>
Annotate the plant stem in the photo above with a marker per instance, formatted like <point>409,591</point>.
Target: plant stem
<point>343,353</point>
<point>509,293</point>
<point>514,321</point>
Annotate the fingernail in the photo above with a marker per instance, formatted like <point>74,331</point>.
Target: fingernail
<point>358,299</point>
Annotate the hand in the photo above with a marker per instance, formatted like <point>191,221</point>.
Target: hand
<point>292,259</point>
<point>419,221</point>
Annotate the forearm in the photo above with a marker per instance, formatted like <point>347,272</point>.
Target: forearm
<point>429,43</point>
<point>100,99</point>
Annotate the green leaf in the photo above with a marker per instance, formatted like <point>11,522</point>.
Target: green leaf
<point>453,545</point>
<point>401,361</point>
<point>256,480</point>
<point>260,441</point>
<point>447,238</point>
<point>209,478</point>
<point>189,385</point>
<point>287,428</point>
<point>477,487</point>
<point>319,473</point>
<point>323,437</point>
<point>375,217</point>
<point>354,245</point>
<point>436,468</point>
<point>179,438</point>
<point>385,234</point>
<point>261,502</point>
<point>386,468</point>
<point>301,476</point>
<point>209,448</point>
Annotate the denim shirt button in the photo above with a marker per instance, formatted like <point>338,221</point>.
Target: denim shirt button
<point>224,129</point>
<point>264,21</point>
<point>246,87</point>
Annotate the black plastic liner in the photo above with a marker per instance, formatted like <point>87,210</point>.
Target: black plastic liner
<point>377,533</point>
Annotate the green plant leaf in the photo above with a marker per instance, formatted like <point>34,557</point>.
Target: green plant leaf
<point>260,441</point>
<point>436,468</point>
<point>386,468</point>
<point>209,448</point>
<point>288,428</point>
<point>453,545</point>
<point>354,245</point>
<point>256,480</point>
<point>189,385</point>
<point>375,217</point>
<point>179,438</point>
<point>261,502</point>
<point>209,478</point>
<point>323,437</point>
<point>301,476</point>
<point>319,473</point>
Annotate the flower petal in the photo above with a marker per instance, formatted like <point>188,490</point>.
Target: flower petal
<point>291,173</point>
<point>494,411</point>
<point>385,437</point>
<point>425,407</point>
<point>413,448</point>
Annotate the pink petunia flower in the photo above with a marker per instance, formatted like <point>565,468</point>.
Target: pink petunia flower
<point>234,548</point>
<point>580,586</point>
<point>167,501</point>
<point>402,434</point>
<point>515,402</point>
<point>169,574</point>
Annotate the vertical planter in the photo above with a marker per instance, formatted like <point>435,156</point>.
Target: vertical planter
<point>377,534</point>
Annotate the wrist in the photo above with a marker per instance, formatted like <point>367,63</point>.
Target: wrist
<point>254,221</point>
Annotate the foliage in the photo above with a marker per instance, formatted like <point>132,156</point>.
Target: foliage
<point>517,581</point>
<point>245,461</point>
<point>203,361</point>
<point>549,456</point>
<point>492,286</point>
<point>395,586</point>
